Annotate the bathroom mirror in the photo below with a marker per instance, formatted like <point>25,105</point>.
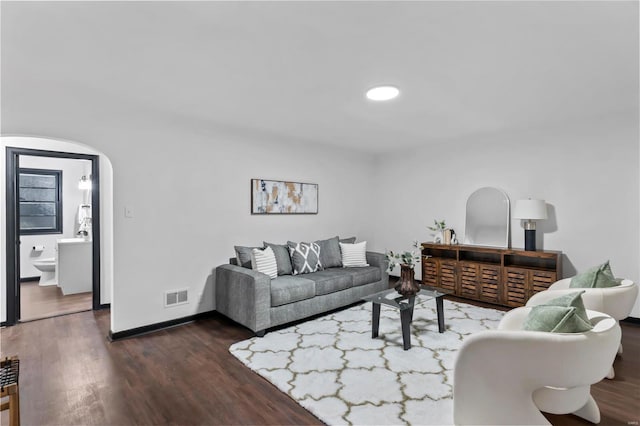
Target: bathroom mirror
<point>487,221</point>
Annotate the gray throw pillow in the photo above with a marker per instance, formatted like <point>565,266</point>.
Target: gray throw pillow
<point>283,260</point>
<point>330,256</point>
<point>305,257</point>
<point>243,255</point>
<point>349,240</point>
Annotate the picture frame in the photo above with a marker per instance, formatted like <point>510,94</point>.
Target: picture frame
<point>283,197</point>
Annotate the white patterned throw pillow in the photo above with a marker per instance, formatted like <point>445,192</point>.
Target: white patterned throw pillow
<point>305,257</point>
<point>354,255</point>
<point>264,261</point>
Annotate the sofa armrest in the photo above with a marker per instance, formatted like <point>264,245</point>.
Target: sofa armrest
<point>244,295</point>
<point>379,260</point>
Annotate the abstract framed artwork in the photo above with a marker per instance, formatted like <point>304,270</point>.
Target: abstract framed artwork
<point>280,197</point>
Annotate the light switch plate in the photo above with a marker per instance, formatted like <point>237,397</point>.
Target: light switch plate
<point>128,212</point>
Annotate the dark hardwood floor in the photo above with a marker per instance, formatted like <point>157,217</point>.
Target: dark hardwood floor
<point>71,375</point>
<point>619,398</point>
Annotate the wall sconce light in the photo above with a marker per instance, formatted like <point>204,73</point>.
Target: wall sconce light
<point>85,182</point>
<point>530,210</point>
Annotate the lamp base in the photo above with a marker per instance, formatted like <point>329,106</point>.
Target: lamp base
<point>530,240</point>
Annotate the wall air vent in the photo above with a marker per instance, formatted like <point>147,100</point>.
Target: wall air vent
<point>176,297</point>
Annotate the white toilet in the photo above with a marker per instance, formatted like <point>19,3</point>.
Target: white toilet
<point>48,268</point>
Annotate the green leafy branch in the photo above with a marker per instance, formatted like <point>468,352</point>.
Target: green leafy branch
<point>439,226</point>
<point>408,258</point>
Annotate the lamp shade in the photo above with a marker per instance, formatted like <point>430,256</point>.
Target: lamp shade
<point>530,209</point>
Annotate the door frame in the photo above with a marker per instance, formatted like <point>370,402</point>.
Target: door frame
<point>13,225</point>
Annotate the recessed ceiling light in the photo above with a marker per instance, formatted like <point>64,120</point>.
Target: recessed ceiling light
<point>382,93</point>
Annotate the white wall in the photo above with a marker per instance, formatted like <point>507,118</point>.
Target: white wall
<point>189,193</point>
<point>191,202</point>
<point>188,187</point>
<point>72,197</point>
<point>586,171</point>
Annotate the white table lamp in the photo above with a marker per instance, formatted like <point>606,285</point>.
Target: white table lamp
<point>530,211</point>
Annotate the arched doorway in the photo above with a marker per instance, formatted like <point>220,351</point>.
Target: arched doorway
<point>102,218</point>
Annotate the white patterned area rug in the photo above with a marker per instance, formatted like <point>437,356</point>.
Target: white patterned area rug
<point>333,368</point>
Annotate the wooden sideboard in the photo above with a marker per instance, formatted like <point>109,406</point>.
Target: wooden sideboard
<point>506,277</point>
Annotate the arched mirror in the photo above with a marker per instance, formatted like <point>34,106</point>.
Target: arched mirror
<point>487,221</point>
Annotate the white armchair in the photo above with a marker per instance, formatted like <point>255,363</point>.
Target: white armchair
<point>616,302</point>
<point>508,375</point>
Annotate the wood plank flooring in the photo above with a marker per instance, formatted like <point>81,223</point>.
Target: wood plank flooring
<point>71,375</point>
<point>46,301</point>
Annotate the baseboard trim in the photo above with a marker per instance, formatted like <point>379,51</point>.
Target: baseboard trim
<point>27,279</point>
<point>3,324</point>
<point>104,306</point>
<point>134,332</point>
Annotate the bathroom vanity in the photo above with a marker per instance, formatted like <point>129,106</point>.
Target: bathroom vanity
<point>74,266</point>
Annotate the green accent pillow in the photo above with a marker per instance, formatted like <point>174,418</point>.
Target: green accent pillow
<point>564,314</point>
<point>597,277</point>
<point>571,300</point>
<point>555,319</point>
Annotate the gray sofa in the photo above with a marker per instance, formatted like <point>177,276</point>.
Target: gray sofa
<point>258,302</point>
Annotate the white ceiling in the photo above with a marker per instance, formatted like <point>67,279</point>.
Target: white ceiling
<point>299,70</point>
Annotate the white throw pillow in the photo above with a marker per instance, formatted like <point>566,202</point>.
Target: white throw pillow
<point>264,261</point>
<point>354,255</point>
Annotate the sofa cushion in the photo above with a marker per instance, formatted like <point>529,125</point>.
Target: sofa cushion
<point>288,289</point>
<point>364,275</point>
<point>283,259</point>
<point>330,281</point>
<point>330,256</point>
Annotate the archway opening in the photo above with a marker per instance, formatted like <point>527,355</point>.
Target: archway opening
<point>102,198</point>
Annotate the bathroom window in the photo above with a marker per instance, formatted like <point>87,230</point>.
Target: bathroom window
<point>40,194</point>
